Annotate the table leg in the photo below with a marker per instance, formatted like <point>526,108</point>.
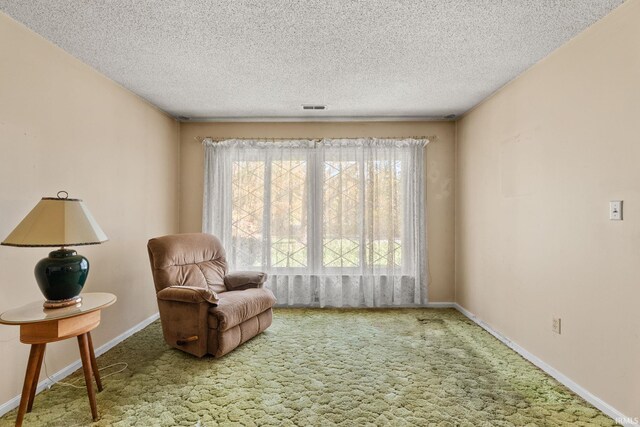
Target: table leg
<point>94,364</point>
<point>83,343</point>
<point>29,378</point>
<point>34,383</point>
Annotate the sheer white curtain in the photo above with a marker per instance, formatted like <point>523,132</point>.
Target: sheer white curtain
<point>335,222</point>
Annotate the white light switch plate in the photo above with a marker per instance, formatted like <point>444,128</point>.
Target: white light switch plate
<point>615,210</point>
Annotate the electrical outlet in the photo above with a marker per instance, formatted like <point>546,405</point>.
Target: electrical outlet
<point>556,326</point>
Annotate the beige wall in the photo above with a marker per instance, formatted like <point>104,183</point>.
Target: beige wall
<point>440,171</point>
<point>65,126</point>
<point>537,166</point>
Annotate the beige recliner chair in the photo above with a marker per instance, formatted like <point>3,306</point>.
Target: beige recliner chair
<point>202,308</point>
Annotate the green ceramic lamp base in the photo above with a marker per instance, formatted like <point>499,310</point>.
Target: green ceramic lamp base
<point>61,277</point>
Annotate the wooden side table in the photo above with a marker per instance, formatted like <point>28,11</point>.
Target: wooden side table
<point>39,326</point>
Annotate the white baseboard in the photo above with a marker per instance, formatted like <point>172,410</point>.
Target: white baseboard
<point>568,382</point>
<point>68,370</point>
<point>440,305</point>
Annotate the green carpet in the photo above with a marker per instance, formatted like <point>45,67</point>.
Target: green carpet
<point>399,367</point>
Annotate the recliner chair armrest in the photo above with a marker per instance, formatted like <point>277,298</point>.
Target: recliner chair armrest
<point>240,280</point>
<point>189,294</point>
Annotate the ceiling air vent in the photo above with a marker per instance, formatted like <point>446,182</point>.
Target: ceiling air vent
<point>314,107</point>
<point>450,116</point>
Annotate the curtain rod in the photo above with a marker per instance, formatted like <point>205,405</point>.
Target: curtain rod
<point>219,138</point>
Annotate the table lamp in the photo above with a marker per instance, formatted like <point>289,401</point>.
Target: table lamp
<point>59,221</point>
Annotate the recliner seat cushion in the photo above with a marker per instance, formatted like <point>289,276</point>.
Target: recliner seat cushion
<point>234,307</point>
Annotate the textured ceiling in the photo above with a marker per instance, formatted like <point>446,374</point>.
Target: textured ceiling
<point>265,58</point>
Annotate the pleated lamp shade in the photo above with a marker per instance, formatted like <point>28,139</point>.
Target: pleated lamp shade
<point>57,222</point>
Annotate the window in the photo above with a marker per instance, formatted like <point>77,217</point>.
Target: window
<point>356,213</point>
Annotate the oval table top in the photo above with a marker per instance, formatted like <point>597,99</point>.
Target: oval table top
<point>34,312</point>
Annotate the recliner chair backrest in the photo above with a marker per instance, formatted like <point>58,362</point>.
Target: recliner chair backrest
<point>190,259</point>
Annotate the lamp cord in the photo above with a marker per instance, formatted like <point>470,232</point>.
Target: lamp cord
<point>68,384</point>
